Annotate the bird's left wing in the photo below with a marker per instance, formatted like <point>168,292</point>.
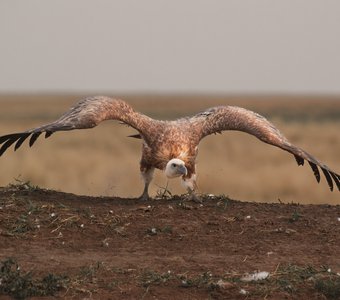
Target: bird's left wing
<point>87,113</point>
<point>218,119</point>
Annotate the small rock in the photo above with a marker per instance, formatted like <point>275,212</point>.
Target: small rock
<point>224,284</point>
<point>184,283</point>
<point>289,231</point>
<point>105,242</point>
<point>120,230</point>
<point>243,292</point>
<point>255,276</point>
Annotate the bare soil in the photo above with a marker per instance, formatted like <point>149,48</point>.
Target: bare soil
<point>168,248</point>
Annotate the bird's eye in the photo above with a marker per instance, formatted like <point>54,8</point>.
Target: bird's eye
<point>174,165</point>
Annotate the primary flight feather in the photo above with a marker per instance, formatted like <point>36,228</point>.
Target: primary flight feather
<point>171,146</point>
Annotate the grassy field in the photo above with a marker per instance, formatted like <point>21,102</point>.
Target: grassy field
<point>102,161</point>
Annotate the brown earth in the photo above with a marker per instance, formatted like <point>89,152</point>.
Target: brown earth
<point>168,248</point>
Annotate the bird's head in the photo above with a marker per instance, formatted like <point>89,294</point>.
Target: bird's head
<point>175,168</point>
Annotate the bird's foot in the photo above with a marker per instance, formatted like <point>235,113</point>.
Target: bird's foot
<point>144,197</point>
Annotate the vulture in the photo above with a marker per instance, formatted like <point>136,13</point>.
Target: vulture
<point>171,146</point>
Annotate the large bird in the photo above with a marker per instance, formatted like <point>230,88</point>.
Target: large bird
<point>171,146</point>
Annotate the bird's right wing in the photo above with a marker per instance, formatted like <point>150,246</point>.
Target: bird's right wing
<point>87,113</point>
<point>218,119</point>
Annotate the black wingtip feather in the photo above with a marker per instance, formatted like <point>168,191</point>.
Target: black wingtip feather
<point>48,134</point>
<point>336,179</point>
<point>8,140</point>
<point>300,161</point>
<point>21,140</point>
<point>328,178</point>
<point>4,138</point>
<point>34,138</point>
<point>315,171</point>
<point>7,137</point>
<point>6,145</point>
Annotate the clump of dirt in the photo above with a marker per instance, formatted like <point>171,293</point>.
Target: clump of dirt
<point>108,247</point>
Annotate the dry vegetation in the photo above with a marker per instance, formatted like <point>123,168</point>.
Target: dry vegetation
<point>102,161</point>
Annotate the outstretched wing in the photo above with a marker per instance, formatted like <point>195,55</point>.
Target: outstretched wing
<point>87,113</point>
<point>218,119</point>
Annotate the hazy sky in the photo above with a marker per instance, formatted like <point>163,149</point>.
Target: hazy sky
<point>224,46</point>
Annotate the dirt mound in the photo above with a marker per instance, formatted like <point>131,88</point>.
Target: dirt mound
<point>53,243</point>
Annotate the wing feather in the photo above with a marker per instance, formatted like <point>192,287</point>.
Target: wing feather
<point>21,140</point>
<point>222,118</point>
<point>300,161</point>
<point>8,143</point>
<point>48,134</point>
<point>87,113</point>
<point>315,171</point>
<point>328,178</point>
<point>34,137</point>
<point>336,179</point>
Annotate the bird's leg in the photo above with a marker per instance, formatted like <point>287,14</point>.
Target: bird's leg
<point>147,175</point>
<point>191,186</point>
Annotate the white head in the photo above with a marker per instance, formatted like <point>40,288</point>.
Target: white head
<point>175,168</point>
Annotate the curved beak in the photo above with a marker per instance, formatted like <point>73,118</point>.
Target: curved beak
<point>182,170</point>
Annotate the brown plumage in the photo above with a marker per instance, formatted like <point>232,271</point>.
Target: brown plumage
<point>164,141</point>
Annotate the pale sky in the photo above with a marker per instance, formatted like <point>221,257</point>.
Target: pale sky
<point>178,46</point>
